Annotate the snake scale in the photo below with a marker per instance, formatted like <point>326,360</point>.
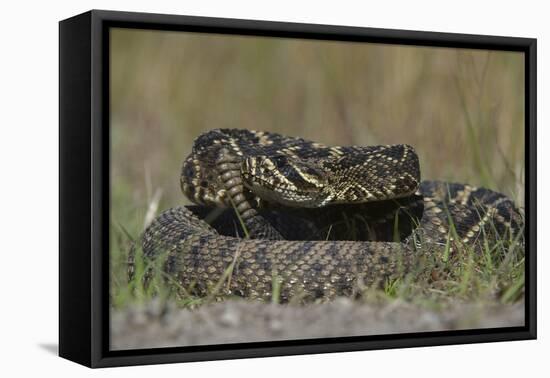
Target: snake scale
<point>311,221</point>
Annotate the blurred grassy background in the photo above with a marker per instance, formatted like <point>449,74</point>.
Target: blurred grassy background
<point>463,110</point>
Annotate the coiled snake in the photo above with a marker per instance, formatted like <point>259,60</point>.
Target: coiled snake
<point>311,221</point>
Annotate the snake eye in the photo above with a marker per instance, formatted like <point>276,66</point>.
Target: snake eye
<point>280,161</point>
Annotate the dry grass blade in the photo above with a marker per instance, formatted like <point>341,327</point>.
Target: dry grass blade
<point>152,208</point>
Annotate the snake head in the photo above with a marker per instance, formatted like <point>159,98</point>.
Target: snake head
<point>285,180</point>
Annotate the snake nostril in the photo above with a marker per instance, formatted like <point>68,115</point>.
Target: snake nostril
<point>189,171</point>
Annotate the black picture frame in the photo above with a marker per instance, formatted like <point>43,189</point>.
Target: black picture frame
<point>84,187</point>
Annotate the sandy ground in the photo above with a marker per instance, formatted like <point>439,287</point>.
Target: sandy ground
<point>156,326</point>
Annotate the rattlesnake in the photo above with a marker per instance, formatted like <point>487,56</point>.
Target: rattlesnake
<point>286,215</point>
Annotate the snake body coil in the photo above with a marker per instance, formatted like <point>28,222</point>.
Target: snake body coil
<point>321,221</point>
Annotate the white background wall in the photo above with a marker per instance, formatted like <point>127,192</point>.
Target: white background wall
<point>29,186</point>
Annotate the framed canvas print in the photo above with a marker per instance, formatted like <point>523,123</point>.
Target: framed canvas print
<point>234,188</point>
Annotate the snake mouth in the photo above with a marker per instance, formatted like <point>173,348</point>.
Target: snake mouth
<point>283,195</point>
